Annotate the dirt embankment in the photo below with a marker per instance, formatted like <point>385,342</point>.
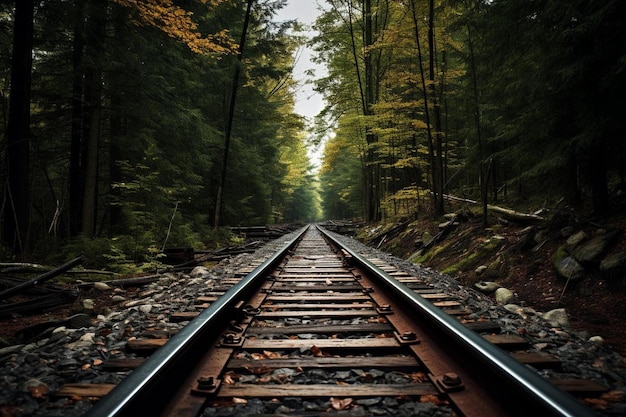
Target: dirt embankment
<point>521,257</point>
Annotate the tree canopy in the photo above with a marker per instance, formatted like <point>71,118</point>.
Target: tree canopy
<point>126,111</point>
<point>123,117</point>
<point>484,99</point>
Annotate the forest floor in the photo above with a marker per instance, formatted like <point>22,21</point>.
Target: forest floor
<point>596,304</point>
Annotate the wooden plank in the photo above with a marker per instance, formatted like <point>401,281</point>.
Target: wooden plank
<point>316,297</point>
<point>287,287</point>
<point>317,313</point>
<point>419,286</point>
<point>434,296</point>
<point>179,316</point>
<point>395,362</point>
<point>316,278</point>
<point>484,326</point>
<point>305,328</point>
<point>463,311</point>
<point>206,299</point>
<point>316,269</point>
<point>84,390</point>
<point>145,344</point>
<point>326,390</point>
<point>298,306</point>
<point>579,386</point>
<point>278,344</point>
<point>427,291</point>
<point>122,364</point>
<point>506,341</point>
<point>442,304</point>
<point>536,359</point>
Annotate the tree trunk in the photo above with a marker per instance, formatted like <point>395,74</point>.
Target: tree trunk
<point>231,116</point>
<point>373,168</point>
<point>438,156</point>
<point>17,199</point>
<point>430,141</point>
<point>93,97</point>
<point>76,184</point>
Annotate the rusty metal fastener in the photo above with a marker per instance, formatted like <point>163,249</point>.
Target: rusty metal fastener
<point>451,379</point>
<point>231,338</point>
<point>408,336</point>
<point>206,383</point>
<point>385,307</point>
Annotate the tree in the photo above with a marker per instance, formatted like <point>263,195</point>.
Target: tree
<point>17,196</point>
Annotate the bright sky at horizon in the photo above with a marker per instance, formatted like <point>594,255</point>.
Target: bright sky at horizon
<point>308,102</point>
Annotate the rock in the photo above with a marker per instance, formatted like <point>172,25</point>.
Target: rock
<point>487,287</point>
<point>481,269</point>
<point>504,296</point>
<point>567,231</point>
<point>199,272</point>
<point>118,299</point>
<point>522,311</point>
<point>88,304</point>
<point>146,308</point>
<point>613,263</point>
<point>101,286</point>
<point>557,317</point>
<point>596,339</point>
<point>5,351</point>
<point>85,341</point>
<point>426,238</point>
<point>591,250</point>
<point>576,239</point>
<point>568,267</point>
<point>78,321</point>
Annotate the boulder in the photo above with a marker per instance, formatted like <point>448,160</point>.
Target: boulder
<point>487,287</point>
<point>479,270</point>
<point>199,272</point>
<point>590,251</point>
<point>557,317</point>
<point>504,296</point>
<point>101,286</point>
<point>566,266</point>
<point>576,239</point>
<point>614,263</point>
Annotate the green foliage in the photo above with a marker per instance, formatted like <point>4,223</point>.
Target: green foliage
<point>161,129</point>
<point>527,93</point>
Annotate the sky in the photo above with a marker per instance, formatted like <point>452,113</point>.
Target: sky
<point>308,102</point>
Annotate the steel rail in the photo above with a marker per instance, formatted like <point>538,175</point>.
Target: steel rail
<point>544,397</point>
<point>142,391</point>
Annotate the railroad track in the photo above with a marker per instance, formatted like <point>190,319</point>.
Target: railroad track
<point>317,329</point>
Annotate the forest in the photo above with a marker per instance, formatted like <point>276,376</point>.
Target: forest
<point>132,125</point>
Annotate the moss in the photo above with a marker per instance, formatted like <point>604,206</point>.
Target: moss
<point>466,263</point>
<point>559,254</point>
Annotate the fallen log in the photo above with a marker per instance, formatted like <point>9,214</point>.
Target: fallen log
<point>506,213</point>
<point>41,278</point>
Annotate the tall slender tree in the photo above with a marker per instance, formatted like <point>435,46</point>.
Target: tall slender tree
<point>17,196</point>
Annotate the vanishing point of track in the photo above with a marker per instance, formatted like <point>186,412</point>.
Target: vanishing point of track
<point>372,331</point>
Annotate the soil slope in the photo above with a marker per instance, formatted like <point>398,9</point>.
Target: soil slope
<point>518,257</point>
